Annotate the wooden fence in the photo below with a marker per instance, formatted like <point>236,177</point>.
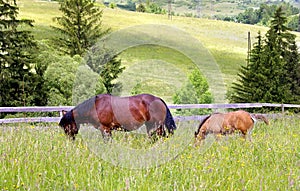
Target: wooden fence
<point>177,106</point>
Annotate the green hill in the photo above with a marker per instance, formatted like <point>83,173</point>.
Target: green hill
<point>203,8</point>
<point>222,46</point>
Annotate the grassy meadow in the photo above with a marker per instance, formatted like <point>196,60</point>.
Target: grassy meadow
<point>36,157</point>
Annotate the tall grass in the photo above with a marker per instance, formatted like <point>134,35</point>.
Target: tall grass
<point>41,158</point>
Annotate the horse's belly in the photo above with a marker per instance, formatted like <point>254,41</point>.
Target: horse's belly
<point>132,125</point>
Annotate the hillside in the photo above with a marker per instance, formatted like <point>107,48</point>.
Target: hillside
<point>222,45</point>
<point>205,8</point>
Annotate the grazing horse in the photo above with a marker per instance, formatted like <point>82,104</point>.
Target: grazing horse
<point>227,123</point>
<point>106,113</point>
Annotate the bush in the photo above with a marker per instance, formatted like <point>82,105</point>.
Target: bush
<point>141,8</point>
<point>195,91</point>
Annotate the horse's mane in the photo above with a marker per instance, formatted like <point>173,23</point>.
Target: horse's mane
<point>203,121</point>
<point>85,106</point>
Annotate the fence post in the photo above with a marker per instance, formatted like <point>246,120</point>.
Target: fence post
<point>282,108</point>
<point>60,114</point>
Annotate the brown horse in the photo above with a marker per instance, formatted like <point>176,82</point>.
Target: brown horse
<point>106,113</point>
<point>227,123</point>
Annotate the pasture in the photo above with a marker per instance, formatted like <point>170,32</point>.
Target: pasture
<point>40,157</point>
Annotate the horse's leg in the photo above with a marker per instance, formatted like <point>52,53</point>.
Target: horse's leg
<point>150,127</point>
<point>249,137</point>
<point>244,134</point>
<point>106,133</point>
<point>160,131</point>
<point>249,133</point>
<point>155,129</point>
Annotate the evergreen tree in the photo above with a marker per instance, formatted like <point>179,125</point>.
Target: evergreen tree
<point>110,72</point>
<point>272,74</point>
<point>20,77</point>
<point>292,71</point>
<point>80,26</point>
<point>298,23</point>
<point>247,87</point>
<point>283,56</point>
<point>105,63</point>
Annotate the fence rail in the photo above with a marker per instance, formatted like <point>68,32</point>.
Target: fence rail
<point>171,106</point>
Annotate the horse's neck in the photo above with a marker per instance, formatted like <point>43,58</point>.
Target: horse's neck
<point>83,115</point>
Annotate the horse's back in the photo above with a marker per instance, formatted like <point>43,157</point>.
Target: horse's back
<point>212,124</point>
<point>131,111</point>
<point>240,120</point>
<point>155,107</point>
<point>215,122</point>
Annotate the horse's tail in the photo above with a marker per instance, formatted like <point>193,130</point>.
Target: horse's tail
<point>262,117</point>
<point>169,121</point>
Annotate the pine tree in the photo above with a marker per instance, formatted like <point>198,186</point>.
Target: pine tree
<point>79,27</point>
<point>292,72</point>
<point>247,88</point>
<point>298,30</point>
<point>18,79</point>
<point>105,63</point>
<point>111,71</point>
<point>283,56</point>
<point>272,74</point>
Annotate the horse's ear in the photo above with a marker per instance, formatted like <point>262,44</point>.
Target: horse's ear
<point>63,112</point>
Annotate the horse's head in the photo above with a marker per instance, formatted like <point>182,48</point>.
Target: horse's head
<point>200,133</point>
<point>68,123</point>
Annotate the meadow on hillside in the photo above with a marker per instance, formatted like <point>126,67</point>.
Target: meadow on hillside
<point>225,42</point>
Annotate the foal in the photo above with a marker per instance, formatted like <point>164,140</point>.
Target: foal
<point>227,123</point>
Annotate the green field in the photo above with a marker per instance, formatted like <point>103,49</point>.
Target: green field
<point>36,157</point>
